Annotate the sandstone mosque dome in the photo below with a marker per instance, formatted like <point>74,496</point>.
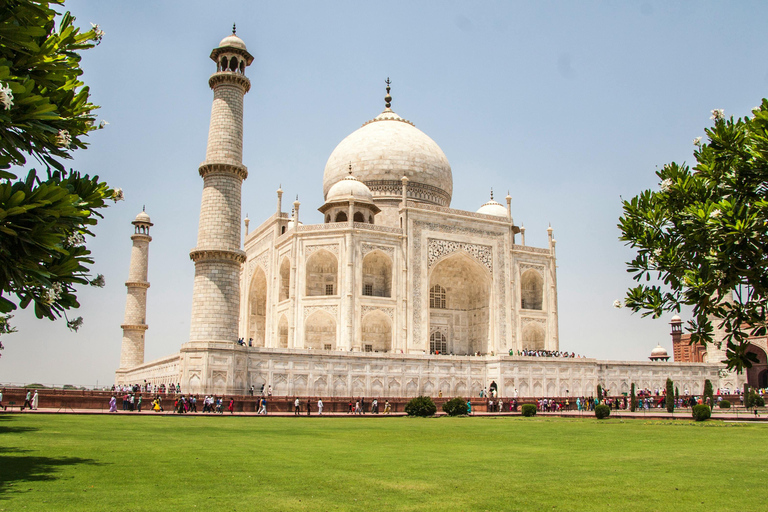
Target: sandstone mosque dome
<point>493,208</point>
<point>349,188</point>
<point>384,150</point>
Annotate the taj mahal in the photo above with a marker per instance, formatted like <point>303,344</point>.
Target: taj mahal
<point>394,294</point>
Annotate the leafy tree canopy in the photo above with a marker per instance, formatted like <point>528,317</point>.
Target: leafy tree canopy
<point>701,238</point>
<point>45,113</point>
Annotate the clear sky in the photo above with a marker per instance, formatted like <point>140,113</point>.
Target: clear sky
<point>568,105</point>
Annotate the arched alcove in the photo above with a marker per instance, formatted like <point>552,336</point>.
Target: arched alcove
<point>464,308</point>
<point>282,332</point>
<point>533,336</point>
<point>531,290</point>
<point>377,274</point>
<point>320,331</point>
<point>341,217</point>
<point>322,273</point>
<point>377,332</point>
<point>285,279</point>
<point>757,376</point>
<point>257,307</point>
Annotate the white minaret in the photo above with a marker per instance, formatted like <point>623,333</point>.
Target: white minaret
<point>218,256</point>
<point>135,323</point>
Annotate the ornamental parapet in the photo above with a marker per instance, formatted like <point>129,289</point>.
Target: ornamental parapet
<point>526,248</point>
<point>137,284</point>
<point>452,211</point>
<point>415,190</point>
<point>210,169</point>
<point>141,236</point>
<point>217,254</point>
<point>230,77</point>
<point>331,226</point>
<point>134,327</point>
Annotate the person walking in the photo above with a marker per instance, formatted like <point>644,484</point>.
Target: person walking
<point>113,404</point>
<point>231,406</point>
<point>469,407</point>
<point>387,407</point>
<point>319,406</point>
<point>1,399</point>
<point>309,406</point>
<point>296,407</point>
<point>263,409</point>
<point>35,401</point>
<point>27,401</point>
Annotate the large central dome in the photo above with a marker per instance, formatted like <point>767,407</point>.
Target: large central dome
<point>384,150</point>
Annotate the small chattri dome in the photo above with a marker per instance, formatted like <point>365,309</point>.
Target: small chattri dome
<point>659,351</point>
<point>232,41</point>
<point>349,188</point>
<point>676,319</point>
<point>493,208</point>
<point>142,217</point>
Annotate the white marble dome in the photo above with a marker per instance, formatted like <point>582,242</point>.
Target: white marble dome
<point>384,150</point>
<point>349,188</point>
<point>659,351</point>
<point>493,208</point>
<point>142,217</point>
<point>232,41</point>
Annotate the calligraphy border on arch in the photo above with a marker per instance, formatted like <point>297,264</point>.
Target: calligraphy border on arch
<point>390,312</point>
<point>328,308</point>
<point>437,248</point>
<point>334,248</point>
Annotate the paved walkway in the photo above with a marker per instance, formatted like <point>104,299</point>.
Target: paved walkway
<point>684,414</point>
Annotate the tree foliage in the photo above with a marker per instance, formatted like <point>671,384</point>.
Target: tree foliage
<point>702,236</point>
<point>45,113</point>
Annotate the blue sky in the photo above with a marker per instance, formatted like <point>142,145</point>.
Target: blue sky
<point>568,105</point>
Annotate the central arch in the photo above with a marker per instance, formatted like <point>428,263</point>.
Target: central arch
<point>757,376</point>
<point>533,336</point>
<point>322,270</point>
<point>258,307</point>
<point>463,308</point>
<point>377,274</point>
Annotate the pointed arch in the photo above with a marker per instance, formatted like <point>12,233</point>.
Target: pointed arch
<point>257,307</point>
<point>531,290</point>
<point>282,332</point>
<point>285,279</point>
<point>460,295</point>
<point>322,273</point>
<point>533,337</point>
<point>377,274</point>
<point>377,332</point>
<point>320,331</point>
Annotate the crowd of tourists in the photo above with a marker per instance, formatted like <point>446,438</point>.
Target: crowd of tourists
<point>147,387</point>
<point>543,353</point>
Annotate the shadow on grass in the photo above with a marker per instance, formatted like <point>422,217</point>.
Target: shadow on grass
<point>18,468</point>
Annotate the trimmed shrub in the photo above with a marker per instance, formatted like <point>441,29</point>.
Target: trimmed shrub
<point>670,399</point>
<point>599,392</point>
<point>725,404</point>
<point>708,392</point>
<point>421,406</point>
<point>528,410</point>
<point>632,399</point>
<point>701,412</point>
<point>455,407</point>
<point>602,411</point>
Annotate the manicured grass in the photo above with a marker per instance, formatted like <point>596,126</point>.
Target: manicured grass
<point>123,463</point>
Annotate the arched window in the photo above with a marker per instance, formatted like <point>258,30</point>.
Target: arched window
<point>533,337</point>
<point>233,64</point>
<point>282,230</point>
<point>341,217</point>
<point>437,297</point>
<point>531,290</point>
<point>437,343</point>
<point>377,274</point>
<point>322,269</point>
<point>359,217</point>
<point>223,64</point>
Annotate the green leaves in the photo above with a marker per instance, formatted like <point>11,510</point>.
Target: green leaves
<point>703,235</point>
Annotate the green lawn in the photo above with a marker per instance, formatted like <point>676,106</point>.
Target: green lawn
<point>122,462</point>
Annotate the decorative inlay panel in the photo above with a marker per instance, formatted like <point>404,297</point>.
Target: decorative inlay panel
<point>366,248</point>
<point>333,248</point>
<point>333,309</point>
<point>390,312</point>
<point>439,248</point>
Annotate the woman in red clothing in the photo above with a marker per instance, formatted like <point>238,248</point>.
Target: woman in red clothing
<point>231,406</point>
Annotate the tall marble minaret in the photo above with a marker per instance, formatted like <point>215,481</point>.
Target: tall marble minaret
<point>135,323</point>
<point>218,256</point>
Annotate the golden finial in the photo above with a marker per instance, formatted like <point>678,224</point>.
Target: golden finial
<point>388,98</point>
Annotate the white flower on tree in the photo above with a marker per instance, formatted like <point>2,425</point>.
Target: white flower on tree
<point>666,185</point>
<point>697,141</point>
<point>64,139</point>
<point>718,114</point>
<point>99,281</point>
<point>716,214</point>
<point>617,304</point>
<point>118,195</point>
<point>6,96</point>
<point>75,239</point>
<point>99,35</point>
<point>53,293</point>
<point>104,123</point>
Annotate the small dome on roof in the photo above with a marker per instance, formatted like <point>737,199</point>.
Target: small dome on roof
<point>676,319</point>
<point>349,188</point>
<point>493,208</point>
<point>659,351</point>
<point>232,41</point>
<point>142,217</point>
